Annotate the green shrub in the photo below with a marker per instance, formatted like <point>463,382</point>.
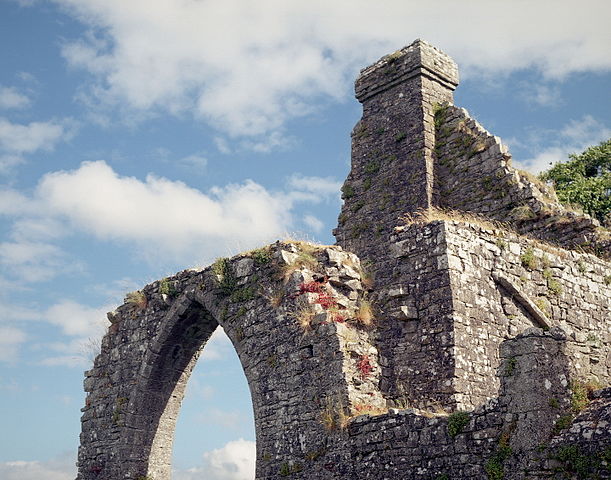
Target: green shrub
<point>528,259</point>
<point>226,278</point>
<point>577,462</point>
<point>167,288</point>
<point>348,191</point>
<point>510,366</point>
<point>262,256</point>
<point>372,168</point>
<point>457,422</point>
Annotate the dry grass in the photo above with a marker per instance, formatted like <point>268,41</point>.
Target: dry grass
<point>306,258</point>
<point>365,409</point>
<point>423,216</point>
<point>367,279</point>
<point>333,416</point>
<point>364,314</point>
<point>137,298</point>
<point>276,296</point>
<point>435,410</point>
<point>547,190</point>
<point>304,317</point>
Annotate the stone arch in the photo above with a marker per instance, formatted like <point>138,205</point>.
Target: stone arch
<point>171,361</point>
<point>295,373</point>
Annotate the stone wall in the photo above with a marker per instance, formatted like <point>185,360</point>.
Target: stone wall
<point>473,173</point>
<point>514,436</point>
<point>503,283</point>
<point>294,313</point>
<point>470,288</point>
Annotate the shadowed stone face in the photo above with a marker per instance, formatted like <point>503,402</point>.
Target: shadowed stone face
<point>417,356</point>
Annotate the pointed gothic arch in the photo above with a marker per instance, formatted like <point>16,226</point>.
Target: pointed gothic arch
<point>138,381</point>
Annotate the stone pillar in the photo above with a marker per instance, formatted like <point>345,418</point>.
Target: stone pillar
<point>534,387</point>
<point>392,174</point>
<point>393,144</point>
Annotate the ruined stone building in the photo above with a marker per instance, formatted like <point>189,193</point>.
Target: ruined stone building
<point>459,329</point>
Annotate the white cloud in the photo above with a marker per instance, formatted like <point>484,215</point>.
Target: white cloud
<point>10,340</point>
<point>249,68</point>
<point>17,140</point>
<point>11,98</point>
<point>315,188</point>
<point>574,137</point>
<point>80,327</point>
<point>162,215</point>
<point>234,461</point>
<point>30,260</point>
<point>230,420</point>
<point>163,220</point>
<point>544,94</point>
<point>86,326</point>
<point>194,161</point>
<point>78,320</point>
<point>8,162</point>
<point>274,141</point>
<point>13,202</point>
<point>314,223</point>
<point>20,139</point>
<point>62,468</point>
<point>222,145</point>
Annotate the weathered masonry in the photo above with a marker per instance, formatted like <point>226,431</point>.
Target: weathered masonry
<point>459,329</point>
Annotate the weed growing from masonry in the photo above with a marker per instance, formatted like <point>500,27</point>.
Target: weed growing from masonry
<point>364,366</point>
<point>364,314</point>
<point>262,256</point>
<point>304,317</point>
<point>510,367</point>
<point>305,258</point>
<point>582,465</point>
<point>137,298</point>
<point>529,260</point>
<point>457,421</point>
<point>581,393</point>
<point>287,469</point>
<point>167,288</point>
<point>227,280</point>
<point>333,416</point>
<point>553,285</point>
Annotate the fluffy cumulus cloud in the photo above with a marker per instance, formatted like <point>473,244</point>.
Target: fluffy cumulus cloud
<point>161,214</point>
<point>234,461</point>
<point>574,137</point>
<point>77,320</point>
<point>17,138</point>
<point>153,215</point>
<point>247,68</point>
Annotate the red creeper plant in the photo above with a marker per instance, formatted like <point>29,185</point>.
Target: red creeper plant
<point>364,366</point>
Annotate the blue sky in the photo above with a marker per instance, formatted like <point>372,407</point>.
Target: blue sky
<point>140,138</point>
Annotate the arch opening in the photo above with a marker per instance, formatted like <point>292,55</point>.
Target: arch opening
<point>215,431</point>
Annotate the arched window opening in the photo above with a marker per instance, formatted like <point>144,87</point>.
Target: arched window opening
<point>215,431</point>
